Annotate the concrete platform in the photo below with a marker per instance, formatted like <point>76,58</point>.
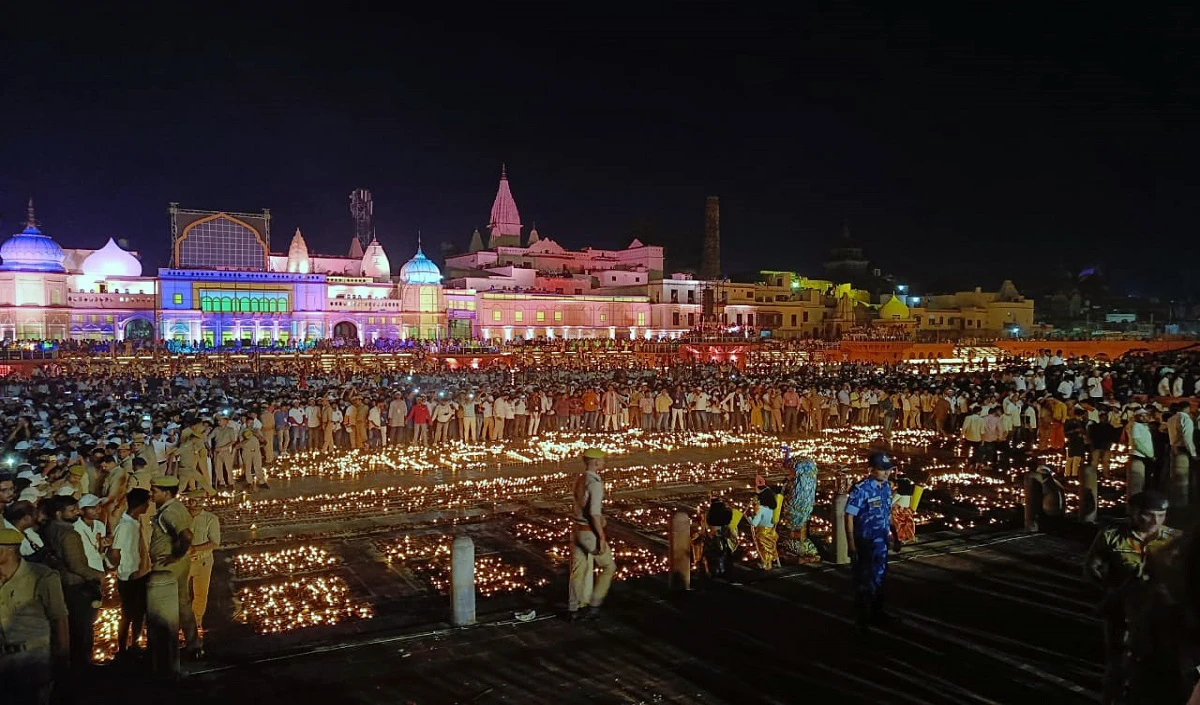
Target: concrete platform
<point>990,618</point>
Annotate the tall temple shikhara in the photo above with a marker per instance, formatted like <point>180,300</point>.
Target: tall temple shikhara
<point>505,224</point>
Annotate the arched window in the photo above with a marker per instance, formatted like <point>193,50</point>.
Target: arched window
<point>256,305</point>
<point>244,304</point>
<point>206,303</point>
<point>226,303</point>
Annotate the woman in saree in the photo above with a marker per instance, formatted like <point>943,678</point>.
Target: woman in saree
<point>766,539</point>
<point>799,496</point>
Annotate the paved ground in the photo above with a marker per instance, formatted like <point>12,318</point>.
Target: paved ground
<point>990,618</point>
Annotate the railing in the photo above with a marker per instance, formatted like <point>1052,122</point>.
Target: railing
<point>110,300</point>
<point>28,355</point>
<point>367,304</point>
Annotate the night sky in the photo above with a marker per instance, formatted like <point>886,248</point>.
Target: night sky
<point>964,147</point>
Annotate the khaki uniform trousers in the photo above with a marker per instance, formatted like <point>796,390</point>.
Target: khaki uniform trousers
<point>223,467</point>
<point>169,607</point>
<point>192,475</point>
<point>1136,479</point>
<point>255,474</point>
<point>201,578</point>
<point>269,444</point>
<point>587,588</point>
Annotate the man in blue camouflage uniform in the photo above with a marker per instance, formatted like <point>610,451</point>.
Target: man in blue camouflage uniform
<point>868,528</point>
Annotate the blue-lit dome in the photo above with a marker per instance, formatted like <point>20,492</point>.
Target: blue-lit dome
<point>420,270</point>
<point>31,251</point>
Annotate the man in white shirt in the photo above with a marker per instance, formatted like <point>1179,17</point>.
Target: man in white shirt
<point>501,410</point>
<point>972,432</point>
<point>93,531</point>
<point>396,413</point>
<point>1094,386</point>
<point>299,428</point>
<point>1141,452</point>
<point>467,429</point>
<point>129,556</point>
<point>1065,389</point>
<point>22,516</point>
<point>312,421</point>
<point>442,414</point>
<point>1180,433</point>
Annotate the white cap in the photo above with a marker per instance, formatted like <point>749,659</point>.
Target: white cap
<point>35,478</point>
<point>89,500</point>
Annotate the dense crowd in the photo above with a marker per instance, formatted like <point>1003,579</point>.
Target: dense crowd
<point>93,453</point>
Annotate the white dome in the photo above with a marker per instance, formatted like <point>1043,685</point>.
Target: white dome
<point>111,261</point>
<point>375,263</point>
<point>420,270</point>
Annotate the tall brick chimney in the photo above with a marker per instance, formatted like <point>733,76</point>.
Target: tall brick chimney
<point>710,256</point>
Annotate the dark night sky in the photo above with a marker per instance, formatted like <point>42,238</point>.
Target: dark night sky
<point>963,147</point>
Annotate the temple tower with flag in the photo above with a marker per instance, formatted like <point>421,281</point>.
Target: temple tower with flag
<point>504,226</point>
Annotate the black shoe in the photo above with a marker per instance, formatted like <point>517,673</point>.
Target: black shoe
<point>577,615</point>
<point>592,614</point>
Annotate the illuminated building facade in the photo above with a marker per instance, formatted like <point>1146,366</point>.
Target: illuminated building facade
<point>226,286</point>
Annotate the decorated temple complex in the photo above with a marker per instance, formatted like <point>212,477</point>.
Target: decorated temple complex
<point>224,285</point>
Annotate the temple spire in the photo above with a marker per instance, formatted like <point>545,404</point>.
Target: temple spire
<point>30,219</point>
<point>505,223</point>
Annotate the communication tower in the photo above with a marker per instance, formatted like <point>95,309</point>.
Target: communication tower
<point>362,210</point>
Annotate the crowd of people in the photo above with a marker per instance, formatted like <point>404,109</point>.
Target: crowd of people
<point>98,457</point>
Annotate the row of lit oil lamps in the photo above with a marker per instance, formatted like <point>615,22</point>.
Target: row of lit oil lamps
<point>310,600</point>
<point>831,449</point>
<point>457,456</point>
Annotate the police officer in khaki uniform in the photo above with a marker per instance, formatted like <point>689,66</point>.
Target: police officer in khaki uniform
<point>144,450</point>
<point>206,538</point>
<point>168,601</point>
<point>589,545</point>
<point>1117,563</point>
<point>191,468</point>
<point>223,436</point>
<point>33,625</point>
<point>252,460</point>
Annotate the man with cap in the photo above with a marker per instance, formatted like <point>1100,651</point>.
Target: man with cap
<point>142,449</point>
<point>80,581</point>
<point>206,537</point>
<point>1141,450</point>
<point>252,460</point>
<point>223,439</point>
<point>1117,562</point>
<point>589,545</point>
<point>128,555</point>
<point>168,601</point>
<point>868,528</point>
<point>93,531</point>
<point>33,624</point>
